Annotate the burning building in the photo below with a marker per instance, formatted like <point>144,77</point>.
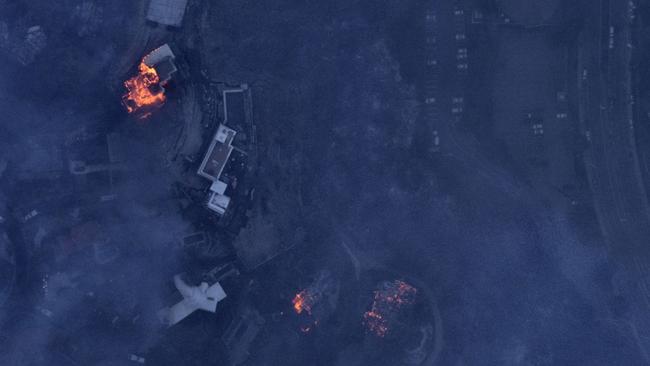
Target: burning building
<point>146,90</point>
<point>389,301</point>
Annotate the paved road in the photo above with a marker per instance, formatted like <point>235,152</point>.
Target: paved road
<point>611,160</point>
<point>612,163</point>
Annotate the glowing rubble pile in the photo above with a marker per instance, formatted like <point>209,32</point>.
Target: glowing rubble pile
<point>388,301</point>
<point>314,302</point>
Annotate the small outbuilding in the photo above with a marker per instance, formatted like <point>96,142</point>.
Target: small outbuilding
<point>167,12</point>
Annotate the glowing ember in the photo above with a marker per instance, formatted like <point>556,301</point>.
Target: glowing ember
<point>303,301</point>
<point>376,323</point>
<point>143,91</point>
<point>316,302</point>
<point>388,301</point>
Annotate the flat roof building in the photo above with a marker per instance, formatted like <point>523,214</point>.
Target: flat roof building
<point>236,108</point>
<point>167,12</point>
<point>218,201</point>
<point>218,153</point>
<point>213,164</point>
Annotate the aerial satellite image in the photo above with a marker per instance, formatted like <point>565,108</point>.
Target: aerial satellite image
<point>324,182</point>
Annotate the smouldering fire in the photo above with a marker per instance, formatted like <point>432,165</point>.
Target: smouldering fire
<point>387,302</point>
<point>143,90</point>
<point>303,301</point>
<point>315,302</point>
<point>306,328</point>
<point>375,322</point>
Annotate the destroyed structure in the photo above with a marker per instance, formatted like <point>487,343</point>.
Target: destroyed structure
<point>390,299</point>
<point>317,301</point>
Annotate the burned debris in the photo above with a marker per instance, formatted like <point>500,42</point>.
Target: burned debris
<point>317,301</point>
<point>390,299</point>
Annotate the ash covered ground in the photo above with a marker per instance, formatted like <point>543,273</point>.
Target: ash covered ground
<point>411,183</point>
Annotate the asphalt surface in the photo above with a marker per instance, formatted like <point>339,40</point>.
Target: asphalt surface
<point>611,159</point>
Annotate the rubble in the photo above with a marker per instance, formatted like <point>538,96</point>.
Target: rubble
<point>391,298</point>
<point>316,301</point>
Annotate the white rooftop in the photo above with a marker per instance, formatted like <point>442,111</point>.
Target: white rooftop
<point>222,133</point>
<point>167,12</point>
<point>202,297</point>
<point>158,55</point>
<point>218,203</point>
<point>218,187</point>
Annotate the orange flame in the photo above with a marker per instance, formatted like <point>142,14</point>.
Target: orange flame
<point>144,90</point>
<point>301,302</point>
